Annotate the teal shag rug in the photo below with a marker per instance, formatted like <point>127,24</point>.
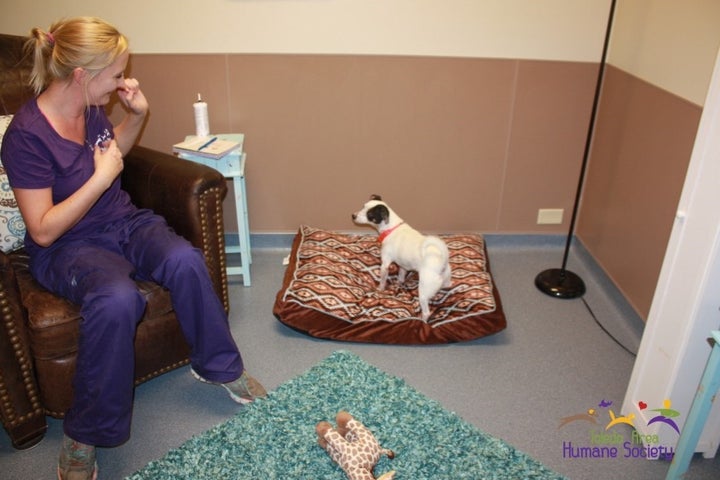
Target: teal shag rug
<point>274,438</point>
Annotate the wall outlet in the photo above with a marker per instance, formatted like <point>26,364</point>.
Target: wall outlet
<point>550,216</point>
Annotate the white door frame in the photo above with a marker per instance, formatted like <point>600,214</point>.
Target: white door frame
<point>686,306</point>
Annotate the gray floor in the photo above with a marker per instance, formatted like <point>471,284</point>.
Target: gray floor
<point>553,361</point>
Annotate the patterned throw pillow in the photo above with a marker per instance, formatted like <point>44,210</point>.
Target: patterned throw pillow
<point>12,227</point>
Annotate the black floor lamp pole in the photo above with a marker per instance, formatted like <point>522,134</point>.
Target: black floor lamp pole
<point>560,282</point>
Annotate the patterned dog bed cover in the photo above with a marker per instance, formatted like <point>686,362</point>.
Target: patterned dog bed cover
<point>330,290</point>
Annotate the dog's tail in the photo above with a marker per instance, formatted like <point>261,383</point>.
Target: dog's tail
<point>436,256</point>
<point>435,247</point>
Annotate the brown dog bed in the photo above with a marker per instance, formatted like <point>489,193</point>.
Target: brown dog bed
<point>330,290</point>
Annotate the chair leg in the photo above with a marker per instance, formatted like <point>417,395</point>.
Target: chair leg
<point>28,434</point>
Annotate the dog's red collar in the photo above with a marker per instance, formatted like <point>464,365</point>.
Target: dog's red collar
<point>383,235</point>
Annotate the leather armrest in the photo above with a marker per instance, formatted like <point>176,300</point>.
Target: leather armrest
<point>190,197</point>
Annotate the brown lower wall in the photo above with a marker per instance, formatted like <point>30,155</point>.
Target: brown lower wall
<point>641,150</point>
<point>454,144</point>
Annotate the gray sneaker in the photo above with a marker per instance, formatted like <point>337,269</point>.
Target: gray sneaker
<point>243,390</point>
<point>77,461</point>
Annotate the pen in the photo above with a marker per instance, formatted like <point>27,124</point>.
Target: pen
<point>207,144</point>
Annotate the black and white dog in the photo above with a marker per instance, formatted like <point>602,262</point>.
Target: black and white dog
<point>409,249</point>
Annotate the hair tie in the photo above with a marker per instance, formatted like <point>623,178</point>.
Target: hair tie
<point>51,38</point>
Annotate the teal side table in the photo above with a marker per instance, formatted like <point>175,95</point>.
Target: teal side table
<point>232,166</point>
<point>699,411</point>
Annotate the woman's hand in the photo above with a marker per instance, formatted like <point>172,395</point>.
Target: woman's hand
<point>137,105</point>
<point>108,162</point>
<point>132,97</point>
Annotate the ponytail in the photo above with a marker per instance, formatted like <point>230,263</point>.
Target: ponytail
<point>81,42</point>
<point>40,46</point>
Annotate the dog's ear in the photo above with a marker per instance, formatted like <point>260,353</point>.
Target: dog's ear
<point>378,214</point>
<point>375,196</point>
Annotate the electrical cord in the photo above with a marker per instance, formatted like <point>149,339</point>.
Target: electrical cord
<point>592,314</point>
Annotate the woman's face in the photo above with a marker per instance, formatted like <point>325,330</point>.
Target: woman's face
<point>102,86</point>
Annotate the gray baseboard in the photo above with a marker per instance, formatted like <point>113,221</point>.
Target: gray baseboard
<point>264,241</point>
<point>283,241</point>
<point>276,241</point>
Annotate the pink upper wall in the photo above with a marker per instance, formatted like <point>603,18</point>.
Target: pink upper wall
<point>454,144</point>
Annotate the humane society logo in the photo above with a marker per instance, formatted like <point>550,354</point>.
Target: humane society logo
<point>603,442</point>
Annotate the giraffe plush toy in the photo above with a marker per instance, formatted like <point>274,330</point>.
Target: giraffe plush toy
<point>352,446</point>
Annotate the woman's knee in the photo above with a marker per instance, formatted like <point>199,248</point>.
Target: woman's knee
<point>119,301</point>
<point>184,258</point>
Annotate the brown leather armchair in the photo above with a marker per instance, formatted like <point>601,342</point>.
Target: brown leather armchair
<point>39,331</point>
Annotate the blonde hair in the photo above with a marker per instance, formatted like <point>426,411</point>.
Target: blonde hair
<point>81,42</point>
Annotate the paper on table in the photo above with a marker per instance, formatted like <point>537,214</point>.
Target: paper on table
<point>205,148</point>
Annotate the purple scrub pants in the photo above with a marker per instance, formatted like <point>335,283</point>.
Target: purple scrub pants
<point>97,273</point>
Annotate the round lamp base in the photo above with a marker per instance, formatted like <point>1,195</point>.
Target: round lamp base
<point>560,283</point>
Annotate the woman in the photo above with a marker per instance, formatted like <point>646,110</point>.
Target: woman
<point>88,242</point>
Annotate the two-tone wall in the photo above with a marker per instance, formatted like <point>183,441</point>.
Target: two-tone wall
<point>661,58</point>
<point>465,115</point>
